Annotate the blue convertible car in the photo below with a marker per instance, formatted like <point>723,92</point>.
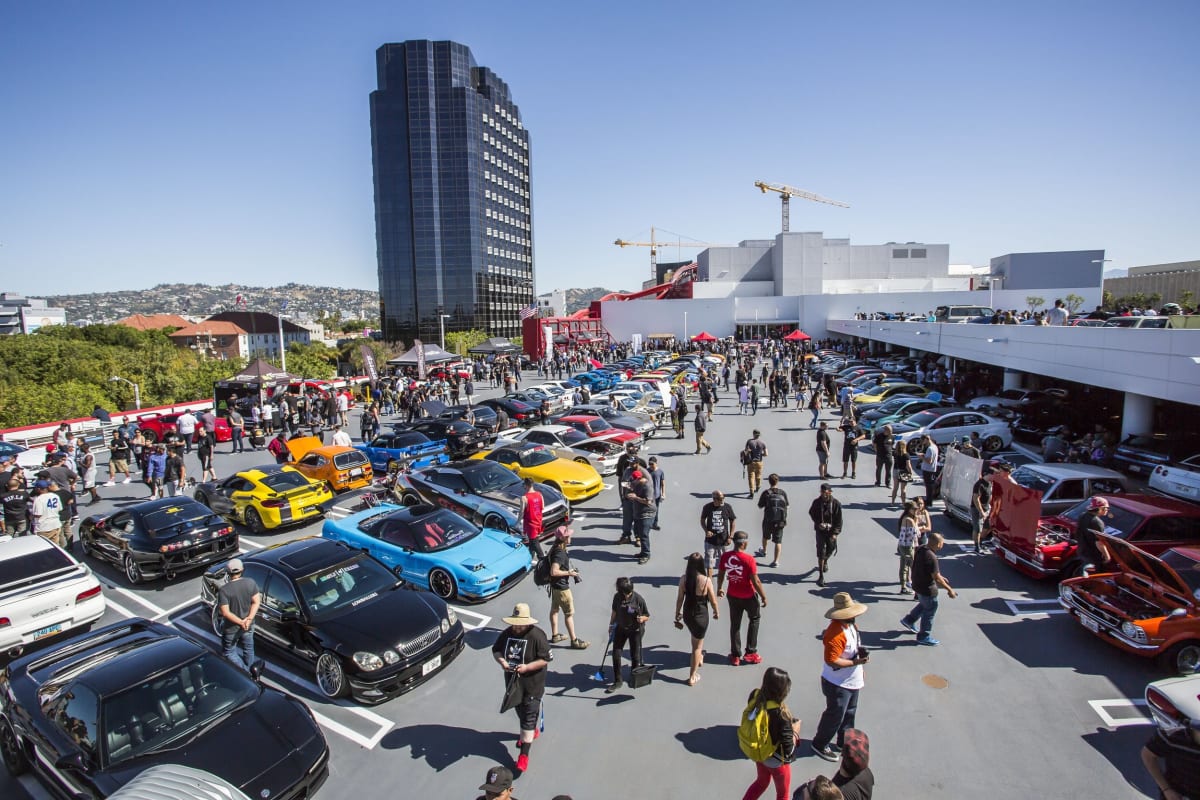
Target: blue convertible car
<point>436,548</point>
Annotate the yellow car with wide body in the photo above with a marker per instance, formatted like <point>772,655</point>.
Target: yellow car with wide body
<point>537,462</point>
<point>878,394</point>
<point>267,497</point>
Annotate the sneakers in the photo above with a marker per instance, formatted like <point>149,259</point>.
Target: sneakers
<point>110,483</point>
<point>929,640</point>
<point>558,637</point>
<point>615,686</point>
<point>735,661</point>
<point>821,580</point>
<point>825,752</point>
<point>625,540</point>
<point>773,564</point>
<point>522,762</point>
<point>760,553</point>
<point>127,480</point>
<point>752,658</point>
<point>908,626</point>
<point>579,644</point>
<point>643,559</point>
<point>709,446</point>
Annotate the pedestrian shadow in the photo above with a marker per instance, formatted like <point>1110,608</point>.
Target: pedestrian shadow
<point>625,554</point>
<point>443,746</point>
<point>718,742</point>
<point>1122,747</point>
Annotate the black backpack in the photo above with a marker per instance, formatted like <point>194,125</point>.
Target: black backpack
<point>776,506</point>
<point>541,571</point>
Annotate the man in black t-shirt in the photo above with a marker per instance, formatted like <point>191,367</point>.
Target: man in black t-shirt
<point>981,506</point>
<point>883,442</point>
<point>826,514</point>
<point>237,605</point>
<point>774,503</point>
<point>1173,761</point>
<point>523,652</point>
<point>716,520</point>
<point>1091,551</point>
<point>627,623</point>
<point>561,599</point>
<point>852,434</point>
<point>754,451</point>
<point>926,578</point>
<point>15,502</point>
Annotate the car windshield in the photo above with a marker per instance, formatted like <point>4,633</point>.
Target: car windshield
<point>573,437</point>
<point>596,424</point>
<point>1187,567</point>
<point>1032,479</point>
<point>1119,522</point>
<point>401,440</point>
<point>894,405</point>
<point>33,566</point>
<point>176,518</point>
<point>169,710</point>
<point>441,530</point>
<point>489,476</point>
<point>344,586</point>
<point>535,458</point>
<point>922,418</point>
<point>284,480</point>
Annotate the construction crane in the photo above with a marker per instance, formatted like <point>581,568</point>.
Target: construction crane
<point>654,245</point>
<point>787,193</point>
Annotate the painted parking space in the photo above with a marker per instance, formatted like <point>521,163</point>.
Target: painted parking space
<point>1121,712</point>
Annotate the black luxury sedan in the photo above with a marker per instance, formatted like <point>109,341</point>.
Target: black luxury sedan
<point>462,439</point>
<point>96,710</point>
<point>346,618</point>
<point>158,538</point>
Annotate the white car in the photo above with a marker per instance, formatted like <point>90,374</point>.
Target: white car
<point>945,425</point>
<point>43,592</point>
<point>602,452</point>
<point>29,460</point>
<point>1180,480</point>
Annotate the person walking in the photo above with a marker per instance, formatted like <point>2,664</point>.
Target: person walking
<point>46,511</point>
<point>174,474</point>
<point>561,573</point>
<point>753,453</point>
<point>782,729</point>
<point>1093,553</point>
<point>156,470</point>
<point>626,624</point>
<point>237,603</point>
<point>237,424</point>
<point>700,424</point>
<point>926,579</point>
<point>929,467</point>
<point>814,406</point>
<point>532,504</point>
<point>852,434</point>
<point>744,584</point>
<point>826,515</point>
<point>883,442</point>
<point>626,465</point>
<point>692,601</point>
<point>716,520</point>
<point>523,652</point>
<point>86,462</point>
<point>981,506</point>
<point>658,483</point>
<point>902,473</point>
<point>641,497</point>
<point>204,451</point>
<point>906,543</point>
<point>842,675</point>
<point>341,438</point>
<point>185,424</point>
<point>118,458</point>
<point>823,451</point>
<point>774,503</point>
<point>743,393</point>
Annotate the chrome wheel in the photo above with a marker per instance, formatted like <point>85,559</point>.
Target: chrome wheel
<point>993,443</point>
<point>331,678</point>
<point>132,571</point>
<point>441,583</point>
<point>1186,658</point>
<point>10,749</point>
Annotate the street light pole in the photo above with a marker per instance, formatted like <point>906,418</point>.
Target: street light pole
<point>282,349</point>
<point>442,327</point>
<point>137,392</point>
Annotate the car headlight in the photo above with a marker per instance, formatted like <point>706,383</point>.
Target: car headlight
<point>390,656</point>
<point>1133,631</point>
<point>451,616</point>
<point>445,626</point>
<point>1065,592</point>
<point>368,661</point>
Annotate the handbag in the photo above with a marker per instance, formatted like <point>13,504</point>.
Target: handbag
<point>514,693</point>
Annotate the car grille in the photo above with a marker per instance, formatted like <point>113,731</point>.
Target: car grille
<point>1088,607</point>
<point>511,579</point>
<point>414,646</point>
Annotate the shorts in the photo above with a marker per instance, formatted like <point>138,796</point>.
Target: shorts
<point>713,553</point>
<point>118,465</point>
<point>822,457</point>
<point>560,599</point>
<point>978,521</point>
<point>528,711</point>
<point>773,531</point>
<point>849,456</point>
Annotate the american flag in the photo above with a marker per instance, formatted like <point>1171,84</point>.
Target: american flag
<point>528,311</point>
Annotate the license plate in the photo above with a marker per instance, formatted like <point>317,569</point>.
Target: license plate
<point>47,631</point>
<point>1010,556</point>
<point>430,665</point>
<point>356,473</point>
<point>308,509</point>
<point>1134,468</point>
<point>1185,489</point>
<point>1090,624</point>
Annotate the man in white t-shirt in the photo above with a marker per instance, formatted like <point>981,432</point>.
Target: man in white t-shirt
<point>929,465</point>
<point>186,425</point>
<point>340,437</point>
<point>47,519</point>
<point>1057,315</point>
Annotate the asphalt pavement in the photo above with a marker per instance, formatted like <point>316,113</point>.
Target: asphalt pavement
<point>1017,701</point>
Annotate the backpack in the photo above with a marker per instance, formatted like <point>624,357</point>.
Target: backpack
<point>776,506</point>
<point>541,571</point>
<point>744,456</point>
<point>754,732</point>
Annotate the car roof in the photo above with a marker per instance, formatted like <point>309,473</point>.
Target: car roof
<point>1153,505</point>
<point>557,429</point>
<point>302,556</point>
<point>1062,470</point>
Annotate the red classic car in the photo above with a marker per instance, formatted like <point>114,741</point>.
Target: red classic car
<point>1152,523</point>
<point>155,426</point>
<point>1147,607</point>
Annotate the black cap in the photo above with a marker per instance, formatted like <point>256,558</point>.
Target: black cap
<point>497,780</point>
<point>825,487</point>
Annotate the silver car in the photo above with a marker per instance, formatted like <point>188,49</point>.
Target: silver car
<point>566,442</point>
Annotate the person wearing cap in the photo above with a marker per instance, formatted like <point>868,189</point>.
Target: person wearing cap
<point>842,676</point>
<point>968,448</point>
<point>237,604</point>
<point>626,464</point>
<point>561,573</point>
<point>523,652</point>
<point>1091,550</point>
<point>929,467</point>
<point>46,511</point>
<point>15,503</point>
<point>716,520</point>
<point>854,776</point>
<point>883,443</point>
<point>641,498</point>
<point>753,453</point>
<point>852,434</point>
<point>981,506</point>
<point>700,424</point>
<point>658,483</point>
<point>826,515</point>
<point>626,624</point>
<point>744,584</point>
<point>497,784</point>
<point>926,578</point>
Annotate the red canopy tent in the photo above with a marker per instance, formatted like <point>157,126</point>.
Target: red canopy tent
<point>797,336</point>
<point>704,336</point>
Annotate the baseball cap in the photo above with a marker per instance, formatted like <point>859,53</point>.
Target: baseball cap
<point>757,432</point>
<point>825,487</point>
<point>636,475</point>
<point>741,536</point>
<point>497,780</point>
<point>235,565</point>
<point>1098,502</point>
<point>43,484</point>
<point>856,752</point>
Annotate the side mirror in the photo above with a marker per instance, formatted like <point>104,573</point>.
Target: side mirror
<point>290,616</point>
<point>72,762</point>
<point>1178,612</point>
<point>257,668</point>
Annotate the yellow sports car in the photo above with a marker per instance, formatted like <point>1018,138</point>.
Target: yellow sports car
<point>537,462</point>
<point>265,497</point>
<point>877,394</point>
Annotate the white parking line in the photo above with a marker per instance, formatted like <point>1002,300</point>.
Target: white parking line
<point>137,598</point>
<point>173,609</point>
<point>1100,706</point>
<point>120,609</point>
<point>1020,608</point>
<point>248,543</point>
<point>483,621</point>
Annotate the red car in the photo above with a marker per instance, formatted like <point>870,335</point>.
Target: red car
<point>1151,523</point>
<point>155,426</point>
<point>598,426</point>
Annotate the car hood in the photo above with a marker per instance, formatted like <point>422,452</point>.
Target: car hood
<point>489,548</point>
<point>1133,560</point>
<point>511,494</point>
<point>303,445</point>
<point>393,616</point>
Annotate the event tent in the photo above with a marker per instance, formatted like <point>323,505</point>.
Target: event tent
<point>797,336</point>
<point>497,346</point>
<point>433,355</point>
<point>704,336</point>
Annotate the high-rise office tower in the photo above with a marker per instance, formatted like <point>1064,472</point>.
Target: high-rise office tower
<point>452,207</point>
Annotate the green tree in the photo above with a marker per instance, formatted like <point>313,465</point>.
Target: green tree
<point>311,360</point>
<point>1187,298</point>
<point>1034,302</point>
<point>461,341</point>
<point>1073,302</point>
<point>30,403</point>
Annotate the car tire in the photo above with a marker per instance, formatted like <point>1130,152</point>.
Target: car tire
<point>993,443</point>
<point>254,520</point>
<point>1183,658</point>
<point>331,676</point>
<point>202,499</point>
<point>554,486</point>
<point>442,584</point>
<point>217,621</point>
<point>15,759</point>
<point>133,573</point>
<point>393,466</point>
<point>150,436</point>
<point>581,460</point>
<point>408,500</point>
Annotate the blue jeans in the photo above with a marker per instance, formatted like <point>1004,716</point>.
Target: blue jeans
<point>238,645</point>
<point>626,518</point>
<point>657,504</point>
<point>641,530</point>
<point>925,608</point>
<point>816,412</point>
<point>840,708</point>
<point>238,445</point>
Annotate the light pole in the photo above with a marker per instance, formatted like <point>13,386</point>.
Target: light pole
<point>992,290</point>
<point>137,392</point>
<point>442,327</point>
<point>685,336</point>
<point>282,348</point>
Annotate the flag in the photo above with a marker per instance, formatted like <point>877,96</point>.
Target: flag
<point>529,311</point>
<point>595,364</point>
<point>240,301</point>
<point>284,306</point>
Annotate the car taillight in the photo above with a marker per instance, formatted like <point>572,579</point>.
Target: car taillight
<point>274,502</point>
<point>225,531</point>
<point>1159,700</point>
<point>79,598</point>
<point>173,546</point>
<point>5,621</point>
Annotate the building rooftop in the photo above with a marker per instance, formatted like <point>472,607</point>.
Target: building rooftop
<point>153,322</point>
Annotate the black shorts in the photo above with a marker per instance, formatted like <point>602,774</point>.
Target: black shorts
<point>773,531</point>
<point>528,711</point>
<point>849,455</point>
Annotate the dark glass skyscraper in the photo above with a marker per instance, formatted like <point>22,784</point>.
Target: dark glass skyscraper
<point>452,207</point>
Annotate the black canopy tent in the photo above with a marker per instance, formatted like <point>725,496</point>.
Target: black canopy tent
<point>255,380</point>
<point>433,355</point>
<point>498,346</point>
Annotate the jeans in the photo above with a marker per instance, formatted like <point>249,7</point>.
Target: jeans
<point>238,445</point>
<point>233,640</point>
<point>657,505</point>
<point>840,708</point>
<point>816,412</point>
<point>737,607</point>
<point>883,466</point>
<point>926,607</point>
<point>641,530</point>
<point>626,519</point>
<point>928,476</point>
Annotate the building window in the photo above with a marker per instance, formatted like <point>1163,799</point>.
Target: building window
<point>900,254</point>
<point>917,253</point>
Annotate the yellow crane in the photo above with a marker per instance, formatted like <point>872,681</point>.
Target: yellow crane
<point>654,245</point>
<point>786,193</point>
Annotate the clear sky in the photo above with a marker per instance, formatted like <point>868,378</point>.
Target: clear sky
<point>148,142</point>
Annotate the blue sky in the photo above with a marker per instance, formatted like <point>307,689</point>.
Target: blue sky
<point>148,142</point>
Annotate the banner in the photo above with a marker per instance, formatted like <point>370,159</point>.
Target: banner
<point>420,359</point>
<point>369,363</point>
<point>548,332</point>
<point>958,481</point>
<point>635,341</point>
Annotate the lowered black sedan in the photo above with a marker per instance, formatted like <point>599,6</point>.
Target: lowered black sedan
<point>342,615</point>
<point>158,538</point>
<point>92,713</point>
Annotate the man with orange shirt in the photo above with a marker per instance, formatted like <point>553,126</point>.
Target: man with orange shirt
<point>841,676</point>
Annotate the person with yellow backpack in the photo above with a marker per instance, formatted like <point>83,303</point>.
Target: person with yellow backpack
<point>768,734</point>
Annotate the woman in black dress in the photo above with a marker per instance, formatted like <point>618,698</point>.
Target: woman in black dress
<point>695,595</point>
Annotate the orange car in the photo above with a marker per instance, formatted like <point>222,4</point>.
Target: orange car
<point>341,467</point>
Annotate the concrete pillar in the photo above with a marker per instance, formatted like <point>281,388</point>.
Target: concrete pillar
<point>1013,379</point>
<point>914,353</point>
<point>1138,416</point>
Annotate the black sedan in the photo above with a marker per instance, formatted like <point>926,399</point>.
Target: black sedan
<point>462,439</point>
<point>158,538</point>
<point>481,416</point>
<point>344,616</point>
<point>518,411</point>
<point>95,711</point>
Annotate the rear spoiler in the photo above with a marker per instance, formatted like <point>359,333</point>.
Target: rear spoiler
<point>91,640</point>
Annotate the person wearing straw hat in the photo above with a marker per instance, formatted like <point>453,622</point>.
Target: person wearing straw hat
<point>841,676</point>
<point>523,652</point>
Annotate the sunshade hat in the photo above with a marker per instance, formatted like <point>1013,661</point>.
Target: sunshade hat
<point>520,615</point>
<point>844,607</point>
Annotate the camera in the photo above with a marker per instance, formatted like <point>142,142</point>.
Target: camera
<point>577,577</point>
<point>864,652</point>
<point>825,526</point>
